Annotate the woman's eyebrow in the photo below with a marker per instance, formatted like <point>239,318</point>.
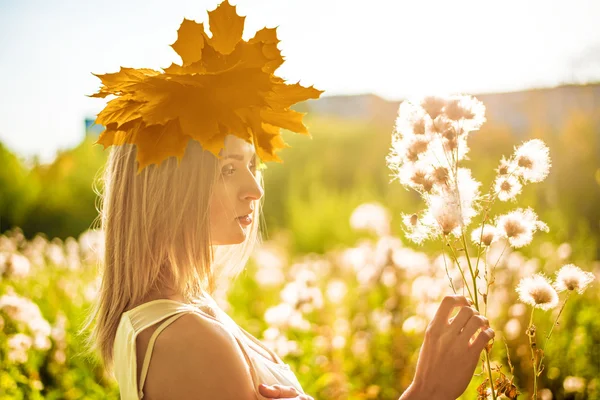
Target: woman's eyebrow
<point>237,156</point>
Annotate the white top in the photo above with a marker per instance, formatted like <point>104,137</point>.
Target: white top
<point>147,314</point>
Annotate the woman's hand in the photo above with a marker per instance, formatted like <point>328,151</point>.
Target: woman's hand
<point>447,360</point>
<point>282,392</point>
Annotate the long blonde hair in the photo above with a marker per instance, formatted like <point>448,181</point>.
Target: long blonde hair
<point>156,228</point>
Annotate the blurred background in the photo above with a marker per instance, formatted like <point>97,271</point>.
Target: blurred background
<point>536,67</point>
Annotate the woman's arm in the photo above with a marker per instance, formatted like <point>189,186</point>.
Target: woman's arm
<point>195,358</point>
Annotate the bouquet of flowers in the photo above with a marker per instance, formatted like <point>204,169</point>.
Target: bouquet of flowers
<point>429,144</point>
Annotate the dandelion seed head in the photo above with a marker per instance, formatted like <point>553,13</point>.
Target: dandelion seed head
<point>417,230</point>
<point>507,187</point>
<point>571,277</point>
<point>505,166</point>
<point>416,147</point>
<point>446,212</point>
<point>441,175</point>
<point>538,292</point>
<point>489,235</point>
<point>433,106</point>
<point>416,176</point>
<point>419,127</point>
<point>449,134</point>
<point>533,160</point>
<point>518,226</point>
<point>524,162</point>
<point>411,119</point>
<point>466,109</point>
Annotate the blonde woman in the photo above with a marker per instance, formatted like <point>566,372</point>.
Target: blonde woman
<point>181,203</point>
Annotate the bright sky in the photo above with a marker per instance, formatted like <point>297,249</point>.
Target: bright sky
<point>393,48</point>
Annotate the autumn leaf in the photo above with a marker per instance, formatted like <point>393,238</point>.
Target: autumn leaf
<point>119,111</point>
<point>224,86</point>
<point>226,26</point>
<point>190,51</point>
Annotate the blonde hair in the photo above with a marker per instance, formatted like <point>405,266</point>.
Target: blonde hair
<point>157,229</point>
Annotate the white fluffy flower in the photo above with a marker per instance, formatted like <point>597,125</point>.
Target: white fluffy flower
<point>486,237</point>
<point>533,161</point>
<point>466,109</point>
<point>418,229</point>
<point>537,292</point>
<point>571,277</point>
<point>507,187</point>
<point>518,226</point>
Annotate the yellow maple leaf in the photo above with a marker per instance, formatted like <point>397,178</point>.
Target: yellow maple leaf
<point>226,26</point>
<point>224,85</point>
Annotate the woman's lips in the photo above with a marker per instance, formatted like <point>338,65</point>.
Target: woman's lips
<point>245,220</point>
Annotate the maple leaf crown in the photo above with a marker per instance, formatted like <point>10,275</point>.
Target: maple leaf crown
<point>225,85</point>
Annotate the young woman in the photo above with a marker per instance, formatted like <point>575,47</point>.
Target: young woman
<point>170,231</point>
<point>180,209</point>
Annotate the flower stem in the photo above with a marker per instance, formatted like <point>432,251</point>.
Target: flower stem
<point>458,265</point>
<point>531,335</point>
<point>487,356</point>
<point>552,328</point>
<point>471,270</point>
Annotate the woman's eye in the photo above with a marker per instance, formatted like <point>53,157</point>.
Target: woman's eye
<point>228,171</point>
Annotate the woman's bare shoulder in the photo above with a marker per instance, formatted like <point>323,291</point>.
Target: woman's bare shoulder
<point>196,358</point>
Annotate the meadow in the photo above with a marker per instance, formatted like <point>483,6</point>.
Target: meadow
<point>336,289</point>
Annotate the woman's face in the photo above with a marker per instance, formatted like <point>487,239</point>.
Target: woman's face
<point>236,193</point>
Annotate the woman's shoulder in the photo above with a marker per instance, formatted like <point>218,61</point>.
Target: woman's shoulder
<point>196,356</point>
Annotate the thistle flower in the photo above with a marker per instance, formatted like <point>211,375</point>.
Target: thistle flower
<point>571,277</point>
<point>533,161</point>
<point>537,292</point>
<point>433,106</point>
<point>446,212</point>
<point>440,175</point>
<point>518,226</point>
<point>416,176</point>
<point>417,230</point>
<point>489,235</point>
<point>505,167</point>
<point>412,119</point>
<point>507,187</point>
<point>466,109</point>
<point>416,146</point>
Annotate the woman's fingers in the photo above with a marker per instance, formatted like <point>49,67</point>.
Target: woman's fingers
<point>482,340</point>
<point>278,392</point>
<point>460,320</point>
<point>475,322</point>
<point>440,320</point>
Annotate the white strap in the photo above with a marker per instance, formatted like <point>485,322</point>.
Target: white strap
<point>148,355</point>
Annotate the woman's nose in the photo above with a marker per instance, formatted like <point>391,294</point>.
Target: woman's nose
<point>253,191</point>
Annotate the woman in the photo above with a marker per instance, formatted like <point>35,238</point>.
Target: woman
<point>173,213</point>
<point>181,204</point>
